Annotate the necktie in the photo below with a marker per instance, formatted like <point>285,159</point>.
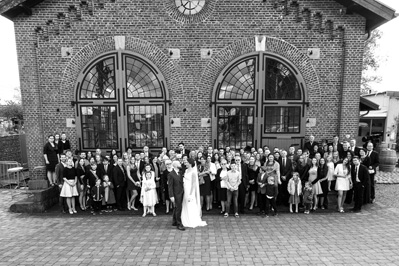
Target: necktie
<point>106,167</point>
<point>98,193</point>
<point>283,162</point>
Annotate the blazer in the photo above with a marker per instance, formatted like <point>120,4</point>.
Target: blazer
<point>310,147</point>
<point>244,175</point>
<point>119,177</point>
<point>374,159</point>
<point>186,152</point>
<point>90,178</point>
<point>262,179</point>
<point>175,185</point>
<point>363,174</point>
<point>340,147</point>
<point>287,170</point>
<point>102,171</point>
<point>356,151</point>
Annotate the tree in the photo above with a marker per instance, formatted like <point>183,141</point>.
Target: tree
<point>370,62</point>
<point>12,110</point>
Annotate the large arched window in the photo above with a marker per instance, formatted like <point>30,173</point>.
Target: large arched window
<point>258,98</point>
<point>121,102</point>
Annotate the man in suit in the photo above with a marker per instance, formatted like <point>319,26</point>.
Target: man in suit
<point>105,169</point>
<point>176,191</point>
<point>360,177</point>
<point>310,146</point>
<point>59,173</point>
<point>374,163</point>
<point>182,150</point>
<point>147,152</point>
<point>291,152</point>
<point>336,144</point>
<point>353,148</point>
<point>244,185</point>
<point>119,178</point>
<point>285,175</point>
<point>139,164</point>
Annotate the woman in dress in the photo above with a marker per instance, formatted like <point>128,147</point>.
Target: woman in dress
<point>125,159</point>
<point>344,182</point>
<point>69,189</point>
<point>51,158</point>
<point>336,160</point>
<point>317,190</point>
<point>273,169</point>
<point>57,142</point>
<point>253,171</point>
<point>330,172</point>
<point>81,173</point>
<point>133,184</point>
<point>322,175</point>
<point>329,152</point>
<point>191,209</point>
<point>89,155</point>
<point>221,175</point>
<point>205,188</point>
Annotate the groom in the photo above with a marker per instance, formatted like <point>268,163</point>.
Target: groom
<point>176,190</point>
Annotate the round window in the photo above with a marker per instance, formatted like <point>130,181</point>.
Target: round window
<point>190,7</point>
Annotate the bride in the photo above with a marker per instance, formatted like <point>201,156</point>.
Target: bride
<point>191,210</point>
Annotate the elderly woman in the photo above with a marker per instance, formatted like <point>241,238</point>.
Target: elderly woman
<point>164,182</point>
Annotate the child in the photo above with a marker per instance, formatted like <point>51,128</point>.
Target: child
<point>271,193</point>
<point>308,196</point>
<point>97,193</point>
<point>148,194</point>
<point>295,189</point>
<point>109,196</point>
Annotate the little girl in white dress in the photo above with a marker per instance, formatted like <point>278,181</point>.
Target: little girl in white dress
<point>149,194</point>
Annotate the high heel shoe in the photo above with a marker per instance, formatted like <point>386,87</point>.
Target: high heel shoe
<point>70,211</point>
<point>128,206</point>
<point>134,209</point>
<point>74,211</point>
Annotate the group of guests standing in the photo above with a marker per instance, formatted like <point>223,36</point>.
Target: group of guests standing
<point>247,178</point>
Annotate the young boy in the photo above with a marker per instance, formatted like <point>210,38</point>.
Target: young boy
<point>233,180</point>
<point>271,194</point>
<point>97,193</point>
<point>308,196</point>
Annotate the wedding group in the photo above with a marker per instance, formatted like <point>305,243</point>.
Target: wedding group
<point>233,180</point>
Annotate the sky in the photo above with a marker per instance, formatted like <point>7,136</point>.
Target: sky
<point>387,52</point>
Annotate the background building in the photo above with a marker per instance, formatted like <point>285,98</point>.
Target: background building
<point>113,74</point>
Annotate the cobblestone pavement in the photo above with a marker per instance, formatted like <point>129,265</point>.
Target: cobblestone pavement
<point>369,237</point>
<point>388,177</point>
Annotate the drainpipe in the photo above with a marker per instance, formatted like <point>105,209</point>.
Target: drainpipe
<point>40,114</point>
<point>343,66</point>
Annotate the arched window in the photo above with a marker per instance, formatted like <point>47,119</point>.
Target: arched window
<point>257,98</point>
<point>121,102</point>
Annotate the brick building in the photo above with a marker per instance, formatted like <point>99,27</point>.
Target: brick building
<point>118,73</point>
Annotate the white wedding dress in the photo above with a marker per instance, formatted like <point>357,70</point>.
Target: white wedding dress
<point>191,209</point>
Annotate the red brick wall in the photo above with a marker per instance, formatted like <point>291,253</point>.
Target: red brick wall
<point>10,148</point>
<point>152,27</point>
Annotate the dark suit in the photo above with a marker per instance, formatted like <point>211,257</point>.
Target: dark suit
<point>176,190</point>
<point>374,163</point>
<point>243,187</point>
<point>262,180</point>
<point>358,186</point>
<point>367,191</point>
<point>285,170</point>
<point>310,147</point>
<point>141,166</point>
<point>119,178</point>
<point>185,151</point>
<point>356,151</point>
<point>338,146</point>
<point>102,171</point>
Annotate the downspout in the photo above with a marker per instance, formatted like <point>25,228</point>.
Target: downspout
<point>343,66</point>
<point>36,47</point>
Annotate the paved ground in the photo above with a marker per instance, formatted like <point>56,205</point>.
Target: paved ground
<point>329,238</point>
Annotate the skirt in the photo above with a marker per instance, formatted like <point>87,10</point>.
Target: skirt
<point>317,190</point>
<point>342,184</point>
<point>68,191</point>
<point>294,199</point>
<point>222,196</point>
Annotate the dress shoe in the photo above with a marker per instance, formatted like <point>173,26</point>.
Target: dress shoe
<point>174,224</point>
<point>181,228</point>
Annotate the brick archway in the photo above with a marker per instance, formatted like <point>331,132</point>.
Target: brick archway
<point>274,46</point>
<point>83,56</point>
